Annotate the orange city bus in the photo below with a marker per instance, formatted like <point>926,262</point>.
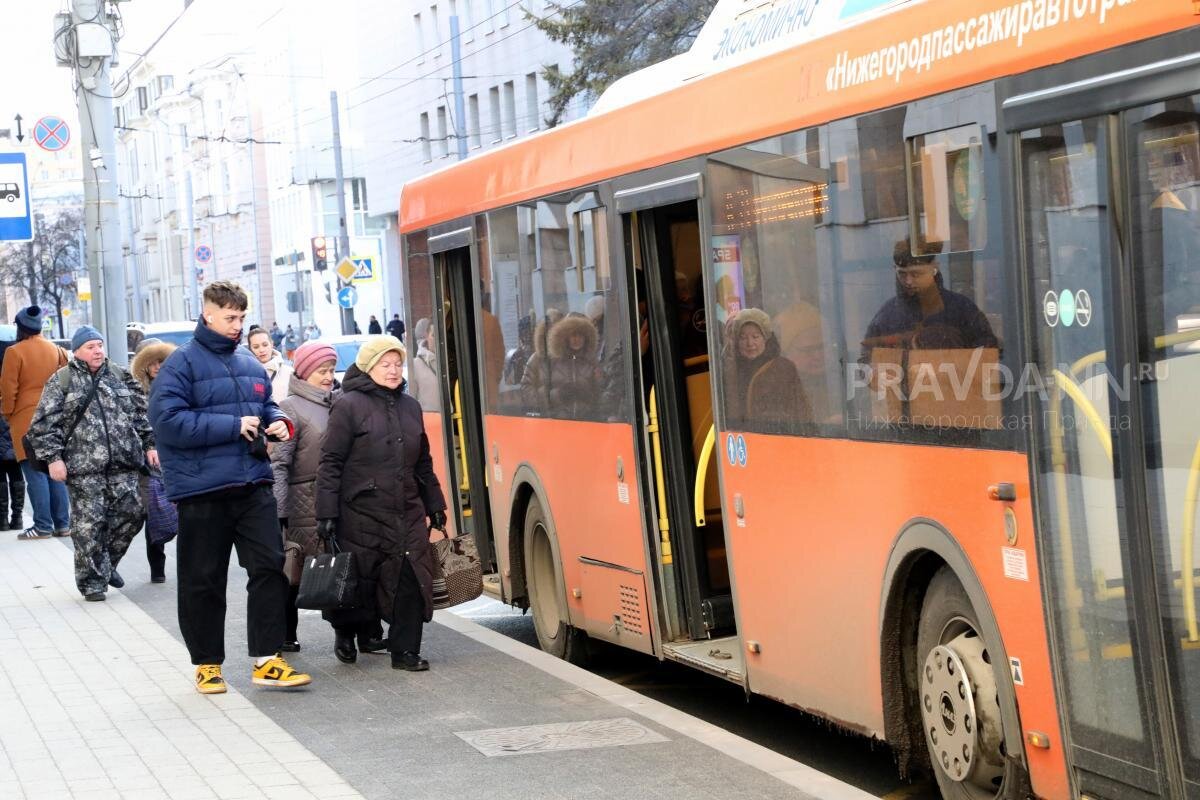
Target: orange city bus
<point>852,357</point>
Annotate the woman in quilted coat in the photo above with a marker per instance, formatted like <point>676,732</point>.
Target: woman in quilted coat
<point>151,353</point>
<point>375,489</point>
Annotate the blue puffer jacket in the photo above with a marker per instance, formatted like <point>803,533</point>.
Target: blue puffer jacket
<point>197,401</point>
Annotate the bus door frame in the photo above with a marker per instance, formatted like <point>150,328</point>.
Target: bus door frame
<point>1105,86</point>
<point>636,198</point>
<point>450,245</point>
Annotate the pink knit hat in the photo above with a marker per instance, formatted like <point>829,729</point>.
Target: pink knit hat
<point>311,355</point>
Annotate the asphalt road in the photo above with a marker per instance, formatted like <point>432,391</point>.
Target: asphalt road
<point>859,761</point>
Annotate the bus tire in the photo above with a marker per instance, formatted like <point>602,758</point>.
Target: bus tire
<point>544,585</point>
<point>958,697</point>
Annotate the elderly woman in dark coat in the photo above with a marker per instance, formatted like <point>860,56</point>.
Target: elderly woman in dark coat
<point>375,489</point>
<point>148,359</point>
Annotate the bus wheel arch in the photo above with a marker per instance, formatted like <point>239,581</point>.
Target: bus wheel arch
<point>536,570</point>
<point>927,572</point>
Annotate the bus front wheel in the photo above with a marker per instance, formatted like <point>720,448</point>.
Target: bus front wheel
<point>958,695</point>
<point>543,578</point>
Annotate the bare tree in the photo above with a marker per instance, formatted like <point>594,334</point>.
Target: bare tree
<point>45,268</point>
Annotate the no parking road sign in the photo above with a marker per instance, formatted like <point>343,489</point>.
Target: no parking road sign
<point>204,253</point>
<point>51,133</point>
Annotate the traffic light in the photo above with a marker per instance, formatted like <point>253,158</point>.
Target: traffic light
<point>320,257</point>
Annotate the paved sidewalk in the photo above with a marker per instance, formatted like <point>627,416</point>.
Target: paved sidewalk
<point>96,700</point>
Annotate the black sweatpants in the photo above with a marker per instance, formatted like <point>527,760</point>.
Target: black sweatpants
<point>209,526</point>
<point>408,614</point>
<point>156,556</point>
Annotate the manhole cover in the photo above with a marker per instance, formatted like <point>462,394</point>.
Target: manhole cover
<point>559,736</point>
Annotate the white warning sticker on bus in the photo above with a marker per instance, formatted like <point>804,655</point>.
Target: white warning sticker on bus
<point>497,474</point>
<point>1016,566</point>
<point>1017,675</point>
<point>623,492</point>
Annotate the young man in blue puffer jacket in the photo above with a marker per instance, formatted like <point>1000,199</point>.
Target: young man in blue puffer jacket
<point>211,409</point>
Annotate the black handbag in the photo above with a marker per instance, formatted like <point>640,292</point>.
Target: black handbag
<point>329,581</point>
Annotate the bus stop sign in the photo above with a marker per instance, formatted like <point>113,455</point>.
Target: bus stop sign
<point>16,224</point>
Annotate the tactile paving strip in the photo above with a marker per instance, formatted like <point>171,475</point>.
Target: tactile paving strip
<point>559,736</point>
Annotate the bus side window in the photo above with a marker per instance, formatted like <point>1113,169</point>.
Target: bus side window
<point>779,360</point>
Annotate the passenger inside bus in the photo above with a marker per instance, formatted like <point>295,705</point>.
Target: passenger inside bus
<point>924,314</point>
<point>802,341</point>
<point>566,383</point>
<point>514,363</point>
<point>423,369</point>
<point>766,385</point>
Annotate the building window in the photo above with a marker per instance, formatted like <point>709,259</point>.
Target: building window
<point>426,147</point>
<point>443,134</point>
<point>435,31</point>
<point>503,13</point>
<point>489,15</point>
<point>494,103</point>
<point>532,109</point>
<point>420,31</point>
<point>473,121</point>
<point>466,21</point>
<point>510,109</point>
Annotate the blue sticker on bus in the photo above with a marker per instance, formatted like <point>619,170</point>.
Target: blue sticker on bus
<point>741,450</point>
<point>731,449</point>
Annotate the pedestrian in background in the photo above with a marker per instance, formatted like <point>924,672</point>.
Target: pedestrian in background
<point>12,481</point>
<point>290,342</point>
<point>258,342</point>
<point>212,412</point>
<point>151,353</point>
<point>374,328</point>
<point>96,437</point>
<point>395,327</point>
<point>28,364</point>
<point>276,336</point>
<point>375,490</point>
<point>311,332</point>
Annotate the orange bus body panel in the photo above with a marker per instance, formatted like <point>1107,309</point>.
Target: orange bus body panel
<point>437,451</point>
<point>821,516</point>
<point>777,94</point>
<point>576,463</point>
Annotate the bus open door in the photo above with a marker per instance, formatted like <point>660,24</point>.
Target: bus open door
<point>664,252</point>
<point>463,382</point>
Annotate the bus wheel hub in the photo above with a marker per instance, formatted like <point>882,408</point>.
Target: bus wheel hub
<point>948,711</point>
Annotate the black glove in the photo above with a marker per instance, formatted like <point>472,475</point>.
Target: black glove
<point>326,529</point>
<point>283,523</point>
<point>438,520</point>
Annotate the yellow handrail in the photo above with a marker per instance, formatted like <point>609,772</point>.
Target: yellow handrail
<point>1081,400</point>
<point>702,475</point>
<point>660,484</point>
<point>1187,568</point>
<point>1160,343</point>
<point>465,484</point>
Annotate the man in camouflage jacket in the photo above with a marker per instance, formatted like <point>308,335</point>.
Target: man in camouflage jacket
<point>91,426</point>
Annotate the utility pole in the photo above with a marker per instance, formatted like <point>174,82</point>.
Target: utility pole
<point>189,259</point>
<point>460,121</point>
<point>93,46</point>
<point>347,314</point>
<point>258,262</point>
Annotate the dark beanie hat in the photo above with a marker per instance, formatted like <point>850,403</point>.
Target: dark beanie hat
<point>30,319</point>
<point>83,335</point>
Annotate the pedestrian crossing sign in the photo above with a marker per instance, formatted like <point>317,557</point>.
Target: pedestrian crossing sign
<point>364,269</point>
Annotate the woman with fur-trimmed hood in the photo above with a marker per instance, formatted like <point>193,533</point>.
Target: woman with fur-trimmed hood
<point>151,353</point>
<point>567,381</point>
<point>765,387</point>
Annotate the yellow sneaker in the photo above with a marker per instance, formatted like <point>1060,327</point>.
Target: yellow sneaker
<point>209,680</point>
<point>278,672</point>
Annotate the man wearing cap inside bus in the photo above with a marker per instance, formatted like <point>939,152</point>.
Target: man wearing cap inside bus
<point>924,313</point>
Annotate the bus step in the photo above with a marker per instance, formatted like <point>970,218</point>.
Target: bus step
<point>720,657</point>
